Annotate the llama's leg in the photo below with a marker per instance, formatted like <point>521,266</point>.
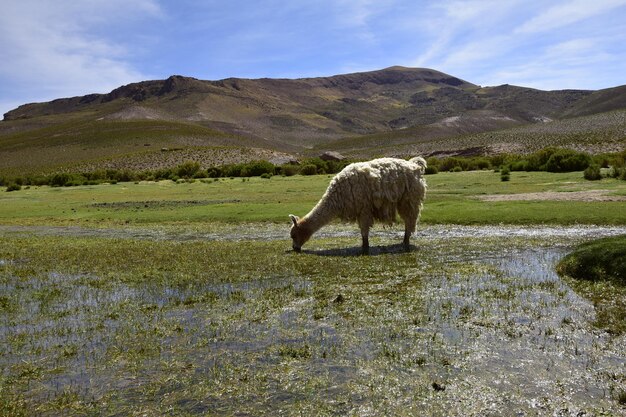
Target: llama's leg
<point>408,231</point>
<point>365,246</point>
<point>364,224</point>
<point>408,215</point>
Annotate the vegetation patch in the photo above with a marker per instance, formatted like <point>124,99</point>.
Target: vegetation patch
<point>117,326</point>
<point>598,269</point>
<point>598,260</point>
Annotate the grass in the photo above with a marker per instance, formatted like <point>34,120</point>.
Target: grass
<point>451,198</point>
<point>123,326</point>
<point>105,142</point>
<point>206,311</point>
<point>599,272</point>
<point>603,259</point>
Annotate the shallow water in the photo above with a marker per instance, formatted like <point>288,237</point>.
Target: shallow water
<point>492,326</point>
<point>274,231</point>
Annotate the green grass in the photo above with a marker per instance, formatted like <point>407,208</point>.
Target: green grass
<point>451,198</point>
<point>127,327</point>
<point>236,323</point>
<point>599,272</point>
<point>603,259</point>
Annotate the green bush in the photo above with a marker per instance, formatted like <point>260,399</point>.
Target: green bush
<point>505,174</point>
<point>187,169</point>
<point>565,160</point>
<point>309,169</point>
<point>431,170</point>
<point>289,170</point>
<point>321,166</point>
<point>214,172</point>
<point>433,161</point>
<point>593,173</point>
<point>333,167</point>
<point>60,179</point>
<point>450,163</point>
<point>232,170</point>
<point>257,168</point>
<point>13,187</point>
<point>163,174</point>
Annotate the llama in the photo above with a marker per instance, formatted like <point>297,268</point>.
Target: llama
<point>368,191</point>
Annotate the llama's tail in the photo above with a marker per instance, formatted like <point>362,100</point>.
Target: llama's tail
<point>421,162</point>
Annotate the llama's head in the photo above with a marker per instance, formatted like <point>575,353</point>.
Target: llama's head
<point>299,233</point>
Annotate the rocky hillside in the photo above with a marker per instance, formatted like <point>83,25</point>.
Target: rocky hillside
<point>374,110</point>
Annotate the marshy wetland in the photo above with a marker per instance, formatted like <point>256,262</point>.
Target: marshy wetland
<point>179,309</point>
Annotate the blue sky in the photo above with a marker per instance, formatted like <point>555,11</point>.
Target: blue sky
<point>63,48</point>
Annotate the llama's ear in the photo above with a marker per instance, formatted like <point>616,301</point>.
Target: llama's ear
<point>294,219</point>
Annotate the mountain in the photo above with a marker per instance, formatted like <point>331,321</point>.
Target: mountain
<point>385,112</point>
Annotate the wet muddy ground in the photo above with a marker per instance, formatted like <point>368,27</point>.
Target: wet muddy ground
<point>473,321</point>
<point>275,231</point>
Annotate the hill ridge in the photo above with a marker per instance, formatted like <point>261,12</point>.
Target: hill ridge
<point>374,109</point>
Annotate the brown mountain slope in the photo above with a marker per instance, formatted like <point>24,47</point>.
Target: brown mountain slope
<point>365,111</point>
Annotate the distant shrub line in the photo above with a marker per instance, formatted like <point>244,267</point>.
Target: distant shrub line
<point>549,159</point>
<point>186,171</point>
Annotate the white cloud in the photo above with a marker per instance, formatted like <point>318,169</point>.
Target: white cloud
<point>359,13</point>
<point>567,13</point>
<point>526,43</point>
<point>464,31</point>
<point>575,63</point>
<point>55,50</point>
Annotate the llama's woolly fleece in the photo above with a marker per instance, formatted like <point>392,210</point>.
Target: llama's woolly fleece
<point>369,191</point>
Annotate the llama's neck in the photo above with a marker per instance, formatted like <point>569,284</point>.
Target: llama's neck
<point>322,214</point>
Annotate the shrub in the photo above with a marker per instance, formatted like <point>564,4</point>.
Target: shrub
<point>321,166</point>
<point>257,168</point>
<point>214,172</point>
<point>522,165</point>
<point>433,161</point>
<point>498,160</point>
<point>505,174</point>
<point>457,168</point>
<point>187,169</point>
<point>13,187</point>
<point>60,179</point>
<point>593,173</point>
<point>37,180</point>
<point>289,169</point>
<point>309,169</point>
<point>98,175</point>
<point>449,164</point>
<point>565,160</point>
<point>232,170</point>
<point>479,163</point>
<point>334,167</point>
<point>163,174</point>
<point>124,175</point>
<point>431,170</point>
<point>266,176</point>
